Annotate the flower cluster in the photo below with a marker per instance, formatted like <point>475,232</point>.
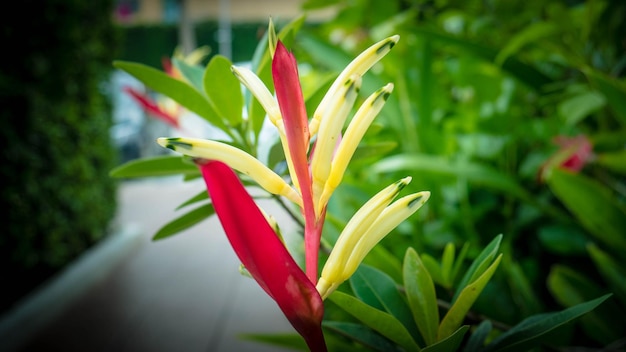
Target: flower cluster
<point>317,153</point>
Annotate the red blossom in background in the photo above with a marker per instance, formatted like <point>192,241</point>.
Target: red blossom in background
<point>574,153</point>
<point>152,108</point>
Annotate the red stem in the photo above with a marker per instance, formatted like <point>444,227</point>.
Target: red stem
<point>312,239</point>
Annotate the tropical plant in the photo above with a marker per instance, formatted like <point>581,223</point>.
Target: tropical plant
<point>364,297</point>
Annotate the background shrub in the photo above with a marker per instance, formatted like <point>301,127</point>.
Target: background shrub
<point>57,196</point>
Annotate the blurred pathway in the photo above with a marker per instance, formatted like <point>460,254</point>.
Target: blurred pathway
<point>183,293</point>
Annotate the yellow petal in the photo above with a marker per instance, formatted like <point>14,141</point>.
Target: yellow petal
<point>354,133</point>
<point>333,271</point>
<point>358,66</point>
<point>236,159</point>
<point>329,133</point>
<point>388,220</point>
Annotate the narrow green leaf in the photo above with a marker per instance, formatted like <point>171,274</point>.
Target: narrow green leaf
<point>570,287</point>
<point>203,195</point>
<point>611,270</point>
<point>447,262</point>
<point>192,73</point>
<point>476,342</point>
<point>377,320</point>
<point>527,301</point>
<point>450,343</point>
<point>295,342</point>
<point>575,109</point>
<point>362,335</point>
<point>528,333</point>
<point>458,264</point>
<point>291,341</point>
<point>479,265</point>
<point>528,35</point>
<point>593,204</point>
<point>381,258</point>
<point>377,289</point>
<point>184,222</point>
<point>155,166</point>
<point>180,91</point>
<point>523,72</point>
<point>224,90</point>
<point>420,292</point>
<point>454,317</point>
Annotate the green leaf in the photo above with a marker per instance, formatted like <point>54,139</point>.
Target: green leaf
<point>450,343</point>
<point>192,73</point>
<point>575,109</point>
<point>614,161</point>
<point>454,317</point>
<point>420,292</point>
<point>528,333</point>
<point>377,320</point>
<point>203,195</point>
<point>479,265</point>
<point>614,91</point>
<point>528,35</point>
<point>441,166</point>
<point>296,342</point>
<point>434,269</point>
<point>570,287</point>
<point>523,72</point>
<point>458,264</point>
<point>361,334</point>
<point>476,342</point>
<point>291,341</point>
<point>184,222</point>
<point>378,290</point>
<point>447,262</point>
<point>374,150</point>
<point>563,239</point>
<point>611,271</point>
<point>593,204</point>
<point>176,89</point>
<point>155,166</point>
<point>224,90</point>
<point>380,257</point>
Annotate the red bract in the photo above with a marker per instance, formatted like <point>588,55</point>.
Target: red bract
<point>263,254</point>
<point>293,111</point>
<point>151,107</point>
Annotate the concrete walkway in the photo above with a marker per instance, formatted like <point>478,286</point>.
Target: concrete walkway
<point>183,293</point>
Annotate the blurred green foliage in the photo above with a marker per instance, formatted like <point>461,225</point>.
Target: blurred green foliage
<point>482,88</point>
<point>160,40</point>
<point>57,198</point>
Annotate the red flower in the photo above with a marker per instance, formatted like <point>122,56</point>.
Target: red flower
<point>574,153</point>
<point>263,254</point>
<point>151,107</point>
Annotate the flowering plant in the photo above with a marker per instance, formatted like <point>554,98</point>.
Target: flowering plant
<point>316,151</point>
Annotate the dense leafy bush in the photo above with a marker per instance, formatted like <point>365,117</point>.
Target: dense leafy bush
<point>513,115</point>
<point>57,197</point>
